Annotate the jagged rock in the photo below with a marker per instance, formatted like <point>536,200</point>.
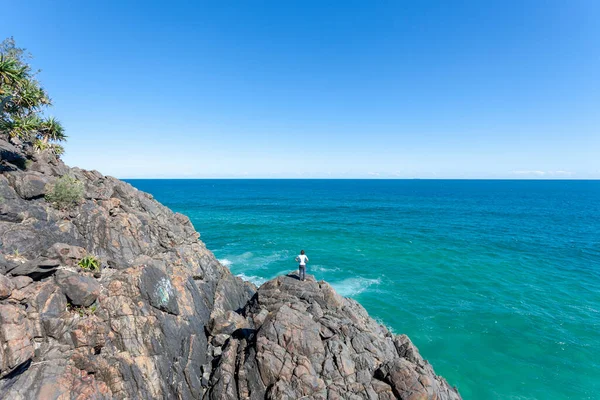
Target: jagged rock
<point>227,323</point>
<point>11,158</point>
<point>167,320</point>
<point>67,255</point>
<point>36,269</point>
<point>16,348</point>
<point>21,281</point>
<point>313,343</point>
<point>29,185</point>
<point>220,339</point>
<point>46,163</point>
<point>80,290</point>
<point>6,287</point>
<point>158,289</point>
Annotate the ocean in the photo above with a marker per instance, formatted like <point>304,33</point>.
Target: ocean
<point>496,282</point>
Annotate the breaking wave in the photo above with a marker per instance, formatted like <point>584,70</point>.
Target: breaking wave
<point>225,262</point>
<point>257,280</point>
<point>354,286</point>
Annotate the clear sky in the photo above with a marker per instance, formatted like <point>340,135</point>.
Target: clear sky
<point>348,89</point>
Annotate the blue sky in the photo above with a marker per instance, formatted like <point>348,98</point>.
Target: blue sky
<point>353,89</point>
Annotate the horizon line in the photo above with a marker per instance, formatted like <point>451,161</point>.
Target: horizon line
<point>364,179</point>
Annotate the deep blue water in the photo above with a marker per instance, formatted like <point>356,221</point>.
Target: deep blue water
<point>496,282</point>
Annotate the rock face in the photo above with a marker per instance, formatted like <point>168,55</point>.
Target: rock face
<point>163,318</point>
<point>305,341</point>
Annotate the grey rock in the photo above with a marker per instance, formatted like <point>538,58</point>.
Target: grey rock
<point>10,214</point>
<point>67,255</point>
<point>15,331</point>
<point>11,157</point>
<point>36,269</point>
<point>227,323</point>
<point>312,343</point>
<point>220,339</point>
<point>29,185</point>
<point>158,289</point>
<point>80,290</point>
<point>21,281</point>
<point>6,287</point>
<point>46,163</point>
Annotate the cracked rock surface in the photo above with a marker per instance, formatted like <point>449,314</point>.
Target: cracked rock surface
<point>305,341</point>
<point>161,318</point>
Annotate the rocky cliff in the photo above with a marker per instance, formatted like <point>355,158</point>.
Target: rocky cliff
<point>161,318</point>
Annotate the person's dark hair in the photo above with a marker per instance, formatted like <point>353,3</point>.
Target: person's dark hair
<point>301,251</point>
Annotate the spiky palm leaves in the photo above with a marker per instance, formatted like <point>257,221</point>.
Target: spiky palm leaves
<point>11,72</point>
<point>51,129</point>
<point>44,131</point>
<point>22,100</point>
<point>29,97</point>
<point>21,127</point>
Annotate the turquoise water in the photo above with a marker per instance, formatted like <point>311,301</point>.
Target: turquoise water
<point>496,282</point>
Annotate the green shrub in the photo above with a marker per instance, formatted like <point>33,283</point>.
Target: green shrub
<point>65,193</point>
<point>90,263</point>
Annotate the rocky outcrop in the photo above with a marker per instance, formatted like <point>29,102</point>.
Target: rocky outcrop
<point>161,317</point>
<point>303,340</point>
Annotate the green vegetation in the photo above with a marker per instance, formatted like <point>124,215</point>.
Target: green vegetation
<point>65,193</point>
<point>23,100</point>
<point>90,263</point>
<point>82,311</point>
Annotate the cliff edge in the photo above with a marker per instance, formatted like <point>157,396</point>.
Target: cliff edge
<point>116,297</point>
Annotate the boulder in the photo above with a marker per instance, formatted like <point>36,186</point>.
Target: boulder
<point>47,163</point>
<point>6,265</point>
<point>6,287</point>
<point>29,185</point>
<point>36,269</point>
<point>21,281</point>
<point>158,288</point>
<point>67,255</point>
<point>11,157</point>
<point>220,339</point>
<point>81,290</point>
<point>226,323</point>
<point>16,347</point>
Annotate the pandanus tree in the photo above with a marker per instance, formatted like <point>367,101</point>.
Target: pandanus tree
<point>23,101</point>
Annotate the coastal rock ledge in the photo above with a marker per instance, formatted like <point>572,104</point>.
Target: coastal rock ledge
<point>158,317</point>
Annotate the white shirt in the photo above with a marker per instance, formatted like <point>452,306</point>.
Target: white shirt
<point>302,259</point>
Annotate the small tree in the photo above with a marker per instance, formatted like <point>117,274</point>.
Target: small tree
<point>65,193</point>
<point>23,100</point>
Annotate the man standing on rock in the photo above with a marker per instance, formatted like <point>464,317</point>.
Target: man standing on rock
<point>302,259</point>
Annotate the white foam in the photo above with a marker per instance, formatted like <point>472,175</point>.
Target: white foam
<point>257,280</point>
<point>254,261</point>
<point>321,268</point>
<point>386,326</point>
<point>225,262</point>
<point>354,286</point>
